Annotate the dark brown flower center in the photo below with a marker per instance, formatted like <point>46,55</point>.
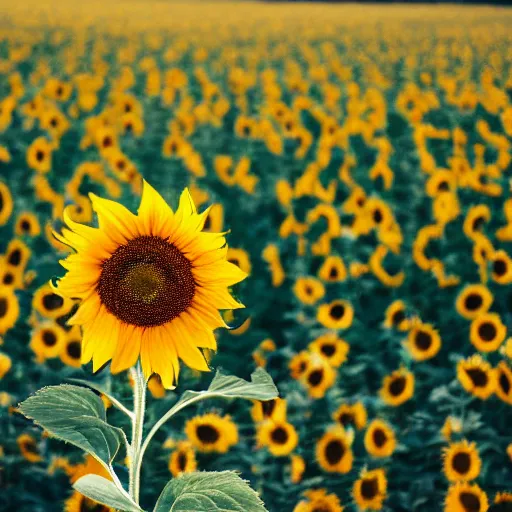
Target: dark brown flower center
<point>30,447</point>
<point>369,488</point>
<point>268,408</point>
<point>4,306</point>
<point>15,257</point>
<point>504,382</point>
<point>379,437</point>
<point>74,349</point>
<point>207,434</point>
<point>182,461</point>
<point>334,451</point>
<point>316,377</point>
<point>337,311</point>
<point>478,377</point>
<point>279,435</point>
<point>146,282</point>
<point>8,278</point>
<point>499,267</point>
<point>397,386</point>
<point>49,338</point>
<point>398,317</point>
<point>345,418</point>
<point>40,155</point>
<point>328,349</point>
<point>487,331</point>
<point>88,505</point>
<point>473,301</point>
<point>470,502</point>
<point>333,273</point>
<point>461,463</point>
<point>423,340</point>
<point>52,301</point>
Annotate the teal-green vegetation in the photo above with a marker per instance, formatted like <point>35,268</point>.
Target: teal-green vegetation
<point>359,160</point>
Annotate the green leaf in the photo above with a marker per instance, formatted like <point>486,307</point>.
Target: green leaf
<point>75,415</point>
<point>221,491</point>
<point>104,491</point>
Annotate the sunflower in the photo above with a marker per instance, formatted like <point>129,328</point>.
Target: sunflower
<point>47,341</point>
<point>5,364</point>
<point>17,254</point>
<point>451,425</point>
<point>77,502</point>
<point>487,332</point>
<point>297,468</point>
<point>46,302</point>
<point>503,374</point>
<point>280,437</point>
<point>274,409</point>
<point>39,155</point>
<point>183,459</point>
<point>396,317</point>
<point>240,258</point>
<point>308,290</point>
<point>331,348</point>
<point>461,461</point>
<point>151,285</point>
<point>72,349</point>
<point>317,500</point>
<point>379,439</point>
<point>423,342</point>
<point>318,377</point>
<point>369,489</point>
<point>501,267</point>
<point>9,309</point>
<point>5,203</point>
<point>299,364</point>
<point>475,219</point>
<point>212,433</point>
<point>503,497</point>
<point>476,376</point>
<point>333,452</point>
<point>398,387</point>
<point>332,270</point>
<point>155,386</point>
<point>339,314</point>
<point>10,276</point>
<point>466,497</point>
<point>473,300</point>
<point>350,415</point>
<point>28,448</point>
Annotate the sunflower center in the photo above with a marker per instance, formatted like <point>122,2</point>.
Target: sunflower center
<point>398,317</point>
<point>333,273</point>
<point>473,301</point>
<point>397,386</point>
<point>461,463</point>
<point>337,311</point>
<point>334,451</point>
<point>3,306</point>
<point>74,350</point>
<point>315,377</point>
<point>52,301</point>
<point>30,447</point>
<point>49,338</point>
<point>504,383</point>
<point>279,435</point>
<point>346,419</point>
<point>478,377</point>
<point>423,340</point>
<point>268,408</point>
<point>182,461</point>
<point>146,282</point>
<point>499,267</point>
<point>328,349</point>
<point>487,331</point>
<point>470,502</point>
<point>379,438</point>
<point>207,434</point>
<point>369,488</point>
<point>88,505</point>
<point>15,257</point>
<point>8,278</point>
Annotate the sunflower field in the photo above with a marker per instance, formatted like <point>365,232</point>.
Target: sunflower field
<point>358,160</point>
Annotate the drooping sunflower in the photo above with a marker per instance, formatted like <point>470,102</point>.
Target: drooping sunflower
<point>274,409</point>
<point>317,500</point>
<point>150,285</point>
<point>398,387</point>
<point>336,315</point>
<point>5,203</point>
<point>333,349</point>
<point>466,497</point>
<point>333,270</point>
<point>308,290</point>
<point>183,459</point>
<point>461,461</point>
<point>503,389</point>
<point>49,304</point>
<point>28,448</point>
<point>333,451</point>
<point>280,437</point>
<point>395,316</point>
<point>77,502</point>
<point>423,341</point>
<point>473,300</point>
<point>351,415</point>
<point>27,224</point>
<point>212,433</point>
<point>379,439</point>
<point>487,332</point>
<point>476,376</point>
<point>370,489</point>
<point>9,308</point>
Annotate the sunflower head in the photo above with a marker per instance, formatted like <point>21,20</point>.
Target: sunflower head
<point>151,285</point>
<point>398,387</point>
<point>461,461</point>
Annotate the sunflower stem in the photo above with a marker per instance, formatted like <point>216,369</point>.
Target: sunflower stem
<point>139,406</point>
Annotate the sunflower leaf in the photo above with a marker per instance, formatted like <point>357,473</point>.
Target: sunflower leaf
<point>75,415</point>
<point>222,491</point>
<point>105,492</point>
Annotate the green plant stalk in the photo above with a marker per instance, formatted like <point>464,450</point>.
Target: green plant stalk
<point>139,408</point>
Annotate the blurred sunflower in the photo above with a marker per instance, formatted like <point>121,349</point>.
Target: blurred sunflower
<point>212,433</point>
<point>183,459</point>
<point>351,415</point>
<point>333,452</point>
<point>423,342</point>
<point>487,332</point>
<point>461,461</point>
<point>280,437</point>
<point>379,439</point>
<point>28,448</point>
<point>137,268</point>
<point>370,489</point>
<point>9,309</point>
<point>473,300</point>
<point>476,376</point>
<point>466,497</point>
<point>398,387</point>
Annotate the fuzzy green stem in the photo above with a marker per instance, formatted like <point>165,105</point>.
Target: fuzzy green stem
<point>139,406</point>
